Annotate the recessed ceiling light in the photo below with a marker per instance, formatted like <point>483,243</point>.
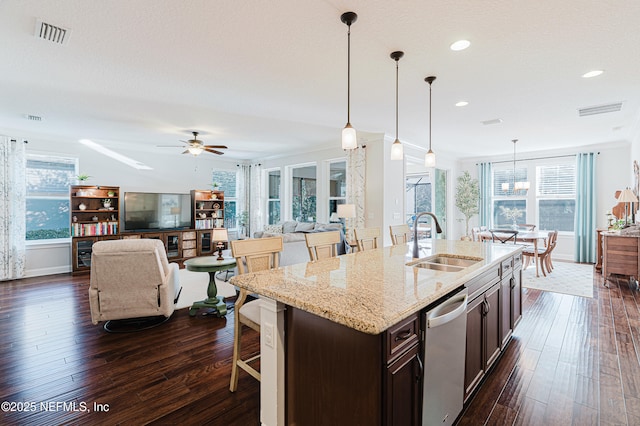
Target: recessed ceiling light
<point>460,45</point>
<point>462,103</point>
<point>593,73</point>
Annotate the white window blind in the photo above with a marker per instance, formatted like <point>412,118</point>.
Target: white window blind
<point>557,180</point>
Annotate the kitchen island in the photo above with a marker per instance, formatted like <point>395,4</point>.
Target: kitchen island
<point>348,322</point>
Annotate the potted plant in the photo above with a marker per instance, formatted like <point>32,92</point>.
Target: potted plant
<point>106,203</point>
<point>82,178</point>
<point>467,198</point>
<point>215,185</point>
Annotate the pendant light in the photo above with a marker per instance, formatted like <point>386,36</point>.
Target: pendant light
<point>517,186</point>
<point>430,157</point>
<point>349,140</point>
<point>397,153</point>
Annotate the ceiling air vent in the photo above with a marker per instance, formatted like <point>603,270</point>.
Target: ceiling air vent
<point>494,121</point>
<point>33,117</point>
<point>600,109</point>
<point>52,33</point>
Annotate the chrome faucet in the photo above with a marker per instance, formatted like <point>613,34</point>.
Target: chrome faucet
<point>416,250</point>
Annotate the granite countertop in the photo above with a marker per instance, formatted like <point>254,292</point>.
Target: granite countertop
<point>374,289</point>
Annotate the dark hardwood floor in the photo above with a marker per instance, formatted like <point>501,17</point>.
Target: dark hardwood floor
<point>572,360</point>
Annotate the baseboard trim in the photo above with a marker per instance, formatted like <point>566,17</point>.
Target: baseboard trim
<point>47,271</point>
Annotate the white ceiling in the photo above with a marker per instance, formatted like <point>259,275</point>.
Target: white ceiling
<point>269,77</point>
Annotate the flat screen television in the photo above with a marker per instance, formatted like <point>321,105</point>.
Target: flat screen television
<point>149,211</point>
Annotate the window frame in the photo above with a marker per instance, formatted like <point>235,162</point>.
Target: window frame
<point>39,155</point>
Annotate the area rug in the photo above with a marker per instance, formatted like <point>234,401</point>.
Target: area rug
<point>194,287</point>
<point>566,278</point>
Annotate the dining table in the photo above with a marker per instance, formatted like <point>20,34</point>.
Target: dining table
<point>528,237</point>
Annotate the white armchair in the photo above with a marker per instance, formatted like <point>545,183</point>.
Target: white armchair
<point>131,278</point>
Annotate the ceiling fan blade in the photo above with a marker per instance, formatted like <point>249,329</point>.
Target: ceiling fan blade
<point>185,152</point>
<point>213,151</point>
<point>215,146</point>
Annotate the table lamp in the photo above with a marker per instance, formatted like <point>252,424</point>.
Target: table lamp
<point>627,196</point>
<point>175,211</point>
<point>220,236</point>
<point>346,211</point>
<point>334,217</point>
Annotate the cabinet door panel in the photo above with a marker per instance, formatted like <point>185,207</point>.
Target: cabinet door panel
<point>516,298</point>
<point>474,359</point>
<point>492,325</point>
<point>505,310</point>
<point>403,389</point>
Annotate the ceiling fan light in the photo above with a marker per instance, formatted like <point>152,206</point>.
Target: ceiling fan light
<point>397,151</point>
<point>195,150</point>
<point>430,159</point>
<point>349,138</point>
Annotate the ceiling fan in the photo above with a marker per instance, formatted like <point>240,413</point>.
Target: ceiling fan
<point>196,147</point>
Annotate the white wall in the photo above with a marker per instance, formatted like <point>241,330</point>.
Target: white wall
<point>612,174</point>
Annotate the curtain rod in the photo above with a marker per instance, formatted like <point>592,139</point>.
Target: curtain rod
<point>535,158</point>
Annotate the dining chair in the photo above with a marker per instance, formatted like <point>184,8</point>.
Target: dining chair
<point>527,226</point>
<point>544,254</point>
<point>367,238</point>
<point>503,235</point>
<point>322,245</point>
<point>252,255</point>
<point>400,234</point>
<point>474,233</point>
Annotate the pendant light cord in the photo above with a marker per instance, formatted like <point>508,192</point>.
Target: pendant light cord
<point>349,74</point>
<point>429,117</point>
<point>397,99</point>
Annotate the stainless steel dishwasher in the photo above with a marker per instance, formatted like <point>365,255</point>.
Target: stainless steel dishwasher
<point>444,354</point>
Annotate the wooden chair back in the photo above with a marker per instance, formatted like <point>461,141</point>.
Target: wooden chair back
<point>400,234</point>
<point>322,245</point>
<point>256,254</point>
<point>367,238</point>
<point>252,255</point>
<point>474,233</point>
<point>503,235</point>
<point>527,226</point>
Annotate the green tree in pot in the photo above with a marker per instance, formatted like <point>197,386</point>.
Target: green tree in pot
<point>467,198</point>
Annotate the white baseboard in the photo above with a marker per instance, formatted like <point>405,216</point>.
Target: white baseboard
<point>47,271</point>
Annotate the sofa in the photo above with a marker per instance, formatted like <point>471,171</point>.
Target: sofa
<point>292,233</point>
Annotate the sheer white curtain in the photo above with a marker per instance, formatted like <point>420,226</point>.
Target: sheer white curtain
<point>250,198</point>
<point>356,171</point>
<point>12,208</point>
<point>256,201</point>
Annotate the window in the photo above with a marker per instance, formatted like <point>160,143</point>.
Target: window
<point>556,196</point>
<point>273,200</point>
<point>509,205</point>
<point>227,181</point>
<point>303,193</point>
<point>418,189</point>
<point>47,196</point>
<point>337,185</point>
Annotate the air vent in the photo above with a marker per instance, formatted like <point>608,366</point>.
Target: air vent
<point>52,33</point>
<point>494,121</point>
<point>33,117</point>
<point>600,109</point>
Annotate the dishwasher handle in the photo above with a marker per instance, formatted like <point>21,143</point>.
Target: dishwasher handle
<point>433,320</point>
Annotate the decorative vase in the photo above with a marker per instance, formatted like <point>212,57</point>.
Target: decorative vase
<point>82,206</point>
<point>106,205</point>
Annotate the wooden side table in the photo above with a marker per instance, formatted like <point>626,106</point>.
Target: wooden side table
<point>599,243</point>
<point>211,265</point>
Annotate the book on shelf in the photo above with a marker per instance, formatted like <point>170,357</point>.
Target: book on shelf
<point>94,229</point>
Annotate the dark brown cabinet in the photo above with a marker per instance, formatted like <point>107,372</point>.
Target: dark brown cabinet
<point>492,315</point>
<point>337,375</point>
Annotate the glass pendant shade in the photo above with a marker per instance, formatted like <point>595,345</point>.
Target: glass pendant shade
<point>349,138</point>
<point>430,159</point>
<point>195,150</point>
<point>397,152</point>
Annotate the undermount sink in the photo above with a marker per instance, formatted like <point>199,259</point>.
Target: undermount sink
<point>445,263</point>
